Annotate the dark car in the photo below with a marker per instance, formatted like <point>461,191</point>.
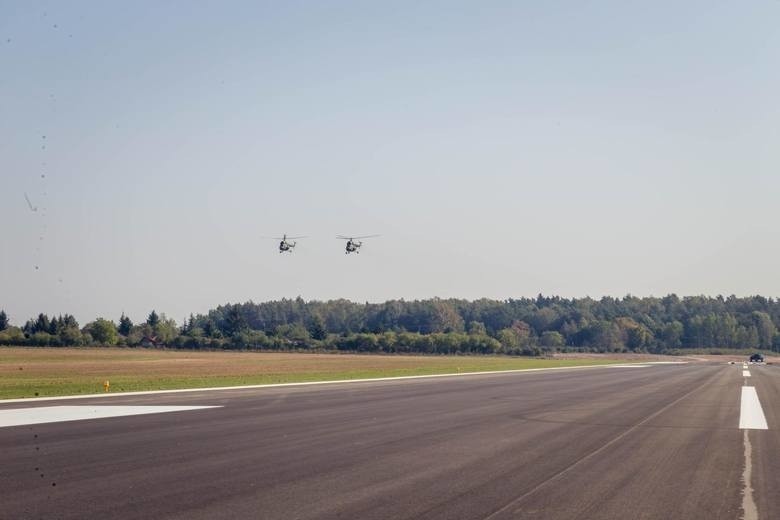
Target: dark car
<point>756,358</point>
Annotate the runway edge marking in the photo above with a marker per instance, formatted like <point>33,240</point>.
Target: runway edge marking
<point>312,383</point>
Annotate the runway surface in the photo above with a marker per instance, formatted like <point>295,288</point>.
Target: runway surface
<point>651,442</point>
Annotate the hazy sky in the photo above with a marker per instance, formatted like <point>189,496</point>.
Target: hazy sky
<point>502,149</point>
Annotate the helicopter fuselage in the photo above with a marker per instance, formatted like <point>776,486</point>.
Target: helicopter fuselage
<point>286,246</point>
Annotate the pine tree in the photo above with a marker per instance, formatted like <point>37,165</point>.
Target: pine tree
<point>153,319</point>
<point>54,325</point>
<point>3,320</point>
<point>69,321</point>
<point>317,328</point>
<point>29,327</point>
<point>234,321</point>
<point>42,323</point>
<point>125,325</point>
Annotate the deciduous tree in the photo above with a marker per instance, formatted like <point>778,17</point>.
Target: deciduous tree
<point>102,331</point>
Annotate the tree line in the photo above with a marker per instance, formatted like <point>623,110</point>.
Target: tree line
<point>525,326</point>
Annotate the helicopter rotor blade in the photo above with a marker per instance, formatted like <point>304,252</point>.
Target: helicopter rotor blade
<point>342,237</point>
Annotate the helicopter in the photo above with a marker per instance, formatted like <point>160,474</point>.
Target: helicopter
<point>353,245</point>
<point>284,245</point>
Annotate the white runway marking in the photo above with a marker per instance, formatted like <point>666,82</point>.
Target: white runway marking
<point>50,414</point>
<point>745,373</point>
<point>316,383</point>
<point>751,415</point>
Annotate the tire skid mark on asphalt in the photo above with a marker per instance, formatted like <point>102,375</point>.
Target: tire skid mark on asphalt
<point>749,508</point>
<point>593,453</point>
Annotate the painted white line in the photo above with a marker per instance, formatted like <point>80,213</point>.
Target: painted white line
<point>751,415</point>
<point>307,383</point>
<point>51,414</point>
<point>745,373</point>
<point>665,362</point>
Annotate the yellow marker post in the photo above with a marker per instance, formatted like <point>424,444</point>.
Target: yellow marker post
<point>106,384</point>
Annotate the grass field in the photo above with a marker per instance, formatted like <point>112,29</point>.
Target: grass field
<point>33,372</point>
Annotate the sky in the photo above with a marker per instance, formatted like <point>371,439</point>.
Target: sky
<point>501,149</point>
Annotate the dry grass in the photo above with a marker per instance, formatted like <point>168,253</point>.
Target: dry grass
<point>624,356</point>
<point>27,372</point>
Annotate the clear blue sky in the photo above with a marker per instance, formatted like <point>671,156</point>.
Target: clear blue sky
<point>502,149</point>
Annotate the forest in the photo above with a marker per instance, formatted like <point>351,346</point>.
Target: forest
<point>525,326</point>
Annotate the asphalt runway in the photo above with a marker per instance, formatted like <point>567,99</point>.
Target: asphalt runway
<point>653,442</point>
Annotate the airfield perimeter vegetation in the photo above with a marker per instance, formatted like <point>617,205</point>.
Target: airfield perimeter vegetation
<point>524,326</point>
<point>535,329</point>
<point>45,372</point>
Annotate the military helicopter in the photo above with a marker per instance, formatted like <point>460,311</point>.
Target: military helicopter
<point>353,245</point>
<point>284,245</point>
